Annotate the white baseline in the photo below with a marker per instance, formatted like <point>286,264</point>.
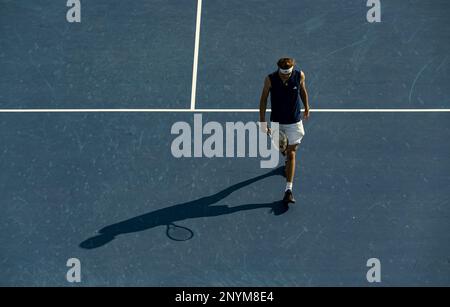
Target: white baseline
<point>214,110</point>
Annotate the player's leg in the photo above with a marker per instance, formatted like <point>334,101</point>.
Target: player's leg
<point>295,134</point>
<point>291,153</point>
<point>290,173</point>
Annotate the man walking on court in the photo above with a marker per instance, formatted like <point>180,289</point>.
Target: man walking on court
<point>286,87</point>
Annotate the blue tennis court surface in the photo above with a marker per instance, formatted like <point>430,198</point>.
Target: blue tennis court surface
<point>105,188</point>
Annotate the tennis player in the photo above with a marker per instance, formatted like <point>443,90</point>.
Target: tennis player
<point>286,87</point>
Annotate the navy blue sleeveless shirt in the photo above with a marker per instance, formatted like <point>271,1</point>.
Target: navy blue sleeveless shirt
<point>285,98</point>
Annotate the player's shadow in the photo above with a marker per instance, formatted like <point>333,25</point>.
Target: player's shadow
<point>201,207</point>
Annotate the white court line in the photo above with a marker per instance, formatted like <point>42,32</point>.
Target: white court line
<point>214,110</point>
<point>196,48</point>
<point>331,110</point>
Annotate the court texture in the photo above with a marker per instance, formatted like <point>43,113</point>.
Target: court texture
<point>86,169</point>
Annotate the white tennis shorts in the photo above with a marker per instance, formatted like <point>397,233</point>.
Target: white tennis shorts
<point>294,132</point>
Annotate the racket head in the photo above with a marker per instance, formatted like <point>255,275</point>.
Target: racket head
<point>279,140</point>
<point>178,233</point>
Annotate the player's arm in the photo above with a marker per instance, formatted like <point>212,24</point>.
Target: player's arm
<point>263,100</point>
<point>304,95</point>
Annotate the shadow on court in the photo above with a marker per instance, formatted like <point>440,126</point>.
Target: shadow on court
<point>193,209</point>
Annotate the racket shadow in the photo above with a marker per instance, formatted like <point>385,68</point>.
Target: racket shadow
<point>201,207</point>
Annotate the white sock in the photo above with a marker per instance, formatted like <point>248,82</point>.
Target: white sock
<point>288,186</point>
